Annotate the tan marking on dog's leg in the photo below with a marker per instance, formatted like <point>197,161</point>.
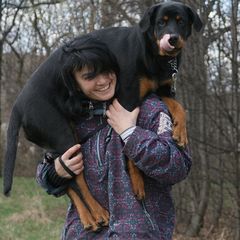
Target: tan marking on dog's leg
<point>100,214</point>
<point>136,180</point>
<point>179,120</point>
<point>88,222</point>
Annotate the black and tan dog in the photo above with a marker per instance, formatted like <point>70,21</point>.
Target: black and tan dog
<point>148,55</point>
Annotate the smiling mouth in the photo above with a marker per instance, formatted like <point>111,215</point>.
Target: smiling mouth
<point>103,89</point>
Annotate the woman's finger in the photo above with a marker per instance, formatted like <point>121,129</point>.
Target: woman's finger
<point>112,109</point>
<point>117,105</point>
<point>76,159</point>
<point>77,166</point>
<point>78,171</point>
<point>136,111</point>
<point>71,151</point>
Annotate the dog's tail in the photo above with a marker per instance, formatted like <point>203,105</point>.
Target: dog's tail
<point>10,157</point>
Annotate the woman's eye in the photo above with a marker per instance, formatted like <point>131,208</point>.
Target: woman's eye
<point>89,76</point>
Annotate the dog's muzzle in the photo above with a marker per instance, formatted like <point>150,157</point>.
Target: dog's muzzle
<point>170,45</point>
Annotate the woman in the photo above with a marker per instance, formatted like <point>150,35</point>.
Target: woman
<point>143,135</point>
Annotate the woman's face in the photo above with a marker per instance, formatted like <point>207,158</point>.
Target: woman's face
<point>100,88</point>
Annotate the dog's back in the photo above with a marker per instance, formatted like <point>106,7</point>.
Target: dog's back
<point>36,110</point>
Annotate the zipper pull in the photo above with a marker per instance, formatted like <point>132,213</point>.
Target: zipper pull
<point>90,108</point>
<point>104,109</point>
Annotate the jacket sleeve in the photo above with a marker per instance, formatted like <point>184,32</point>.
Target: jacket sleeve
<point>152,147</point>
<point>48,179</point>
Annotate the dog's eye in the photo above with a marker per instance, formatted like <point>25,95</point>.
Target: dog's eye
<point>181,22</point>
<point>161,22</point>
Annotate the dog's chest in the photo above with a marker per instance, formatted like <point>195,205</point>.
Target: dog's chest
<point>157,73</point>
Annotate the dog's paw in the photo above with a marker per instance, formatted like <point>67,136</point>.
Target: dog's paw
<point>180,133</point>
<point>88,222</point>
<point>137,183</point>
<point>138,190</point>
<point>101,216</point>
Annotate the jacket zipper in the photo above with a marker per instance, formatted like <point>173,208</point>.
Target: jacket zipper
<point>147,214</point>
<point>98,150</point>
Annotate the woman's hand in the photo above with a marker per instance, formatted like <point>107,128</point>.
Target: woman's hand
<point>71,160</point>
<point>119,118</point>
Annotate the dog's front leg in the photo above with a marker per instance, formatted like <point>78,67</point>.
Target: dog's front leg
<point>136,180</point>
<point>179,120</point>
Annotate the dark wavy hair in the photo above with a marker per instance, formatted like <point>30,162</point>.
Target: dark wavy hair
<point>85,51</point>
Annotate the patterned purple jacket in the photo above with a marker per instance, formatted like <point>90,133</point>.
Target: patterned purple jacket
<point>154,152</point>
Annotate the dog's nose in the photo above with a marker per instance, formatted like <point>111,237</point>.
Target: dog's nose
<point>173,39</point>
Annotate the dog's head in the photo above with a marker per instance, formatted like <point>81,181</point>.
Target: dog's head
<point>169,25</point>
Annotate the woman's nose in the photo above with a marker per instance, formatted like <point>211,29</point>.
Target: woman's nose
<point>102,79</point>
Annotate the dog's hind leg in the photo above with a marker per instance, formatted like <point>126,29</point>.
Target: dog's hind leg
<point>179,120</point>
<point>87,220</point>
<point>136,180</point>
<point>98,213</point>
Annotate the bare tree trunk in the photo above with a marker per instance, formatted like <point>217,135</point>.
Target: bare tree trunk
<point>200,206</point>
<point>236,106</point>
<point>195,84</point>
<point>1,58</point>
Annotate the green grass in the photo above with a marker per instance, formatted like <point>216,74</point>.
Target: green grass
<point>30,213</point>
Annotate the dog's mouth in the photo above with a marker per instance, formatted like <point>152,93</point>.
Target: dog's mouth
<point>170,45</point>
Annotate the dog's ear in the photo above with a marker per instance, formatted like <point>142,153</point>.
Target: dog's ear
<point>195,19</point>
<point>145,22</point>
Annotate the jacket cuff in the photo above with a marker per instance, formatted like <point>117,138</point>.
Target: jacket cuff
<point>127,133</point>
<point>54,179</point>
